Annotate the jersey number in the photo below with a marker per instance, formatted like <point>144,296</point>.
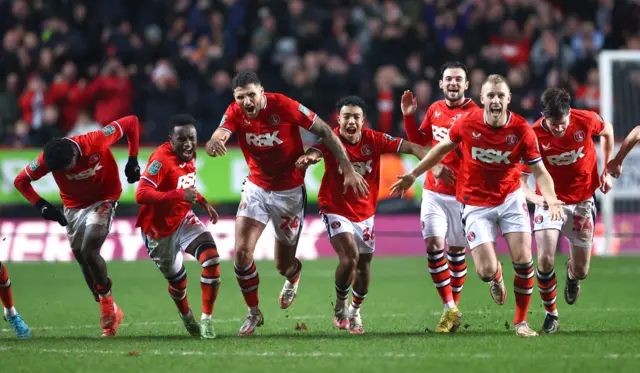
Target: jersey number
<point>585,227</point>
<point>368,236</point>
<point>291,224</point>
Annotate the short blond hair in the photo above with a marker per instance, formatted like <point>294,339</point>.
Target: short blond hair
<point>496,79</point>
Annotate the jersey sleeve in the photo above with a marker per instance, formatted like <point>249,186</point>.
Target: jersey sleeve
<point>425,127</point>
<point>531,150</point>
<point>109,135</point>
<point>596,124</point>
<point>156,170</point>
<point>525,168</point>
<point>298,113</point>
<point>455,132</point>
<point>387,143</point>
<point>229,120</point>
<point>37,169</point>
<point>34,171</point>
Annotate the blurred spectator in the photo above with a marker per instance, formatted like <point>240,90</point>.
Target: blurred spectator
<point>84,124</point>
<point>156,58</point>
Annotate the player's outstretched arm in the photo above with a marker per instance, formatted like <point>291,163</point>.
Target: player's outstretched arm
<point>352,179</point>
<point>614,167</point>
<point>408,147</point>
<point>432,158</point>
<point>211,211</point>
<point>530,195</point>
<point>22,183</point>
<point>545,183</point>
<point>606,145</point>
<point>311,156</point>
<point>216,146</point>
<point>147,194</point>
<point>131,128</point>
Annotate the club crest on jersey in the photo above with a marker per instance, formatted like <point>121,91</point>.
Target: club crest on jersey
<point>538,219</point>
<point>512,139</point>
<point>471,236</point>
<point>95,157</point>
<point>303,109</point>
<point>366,149</point>
<point>335,225</point>
<point>154,168</point>
<point>274,119</point>
<point>108,130</point>
<point>34,165</point>
<point>579,136</point>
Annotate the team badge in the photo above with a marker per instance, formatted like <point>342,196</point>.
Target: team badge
<point>524,207</point>
<point>421,225</point>
<point>335,225</point>
<point>34,165</point>
<point>538,219</point>
<point>242,206</point>
<point>95,157</point>
<point>274,119</point>
<point>512,140</point>
<point>154,168</point>
<point>471,236</point>
<point>108,130</point>
<point>579,136</point>
<point>366,149</point>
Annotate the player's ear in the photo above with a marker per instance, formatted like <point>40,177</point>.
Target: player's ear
<point>440,83</point>
<point>466,85</point>
<point>509,98</point>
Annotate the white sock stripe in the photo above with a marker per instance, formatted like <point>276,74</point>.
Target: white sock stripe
<point>211,262</point>
<point>209,281</point>
<point>431,256</point>
<point>179,297</point>
<point>440,269</point>
<point>356,295</point>
<point>249,289</point>
<point>178,290</point>
<point>247,277</point>
<point>547,291</point>
<point>459,274</point>
<point>456,289</point>
<point>343,290</point>
<point>443,283</point>
<point>6,284</point>
<point>546,276</point>
<point>523,265</point>
<point>243,269</point>
<point>549,302</point>
<point>456,258</point>
<point>520,290</point>
<point>525,276</point>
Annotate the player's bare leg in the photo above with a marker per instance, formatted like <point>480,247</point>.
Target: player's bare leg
<point>489,270</point>
<point>86,273</point>
<point>457,269</point>
<point>345,246</point>
<point>546,243</point>
<point>110,313</point>
<point>10,314</point>
<point>290,267</point>
<point>247,233</point>
<point>359,292</point>
<point>441,276</point>
<point>577,269</point>
<point>204,249</point>
<point>524,279</point>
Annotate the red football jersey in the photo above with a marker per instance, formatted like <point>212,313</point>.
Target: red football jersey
<point>95,176</point>
<point>271,143</point>
<point>166,172</point>
<point>572,160</point>
<point>491,170</point>
<point>365,157</point>
<point>436,125</point>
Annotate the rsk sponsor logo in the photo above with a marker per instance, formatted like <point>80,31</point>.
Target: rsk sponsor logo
<point>263,140</point>
<point>566,158</point>
<point>187,181</point>
<point>439,133</point>
<point>86,173</point>
<point>490,155</point>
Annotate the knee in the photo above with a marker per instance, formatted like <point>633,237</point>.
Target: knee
<point>455,250</point>
<point>521,256</point>
<point>545,263</point>
<point>243,257</point>
<point>487,271</point>
<point>580,272</point>
<point>349,262</point>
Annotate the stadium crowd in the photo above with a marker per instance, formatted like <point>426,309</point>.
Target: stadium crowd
<point>68,66</point>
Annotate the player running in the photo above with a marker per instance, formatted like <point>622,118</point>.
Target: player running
<point>349,218</point>
<point>614,167</point>
<point>493,141</point>
<point>439,211</point>
<point>267,125</point>
<point>565,137</point>
<point>87,175</point>
<point>10,314</point>
<point>169,225</point>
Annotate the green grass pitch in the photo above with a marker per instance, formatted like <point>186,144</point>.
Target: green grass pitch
<point>601,333</point>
